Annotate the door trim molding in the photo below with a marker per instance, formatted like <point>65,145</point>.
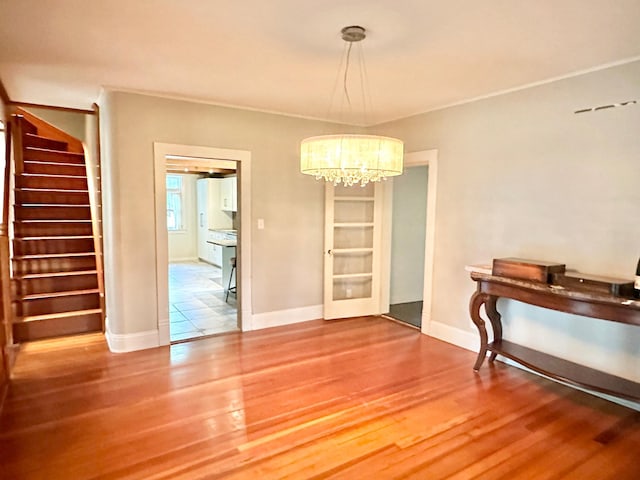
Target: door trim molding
<point>213,155</point>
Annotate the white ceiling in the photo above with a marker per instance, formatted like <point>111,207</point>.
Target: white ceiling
<point>283,55</point>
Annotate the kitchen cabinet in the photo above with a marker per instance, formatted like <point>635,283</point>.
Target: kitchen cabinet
<point>229,194</point>
<point>215,254</point>
<point>210,216</point>
<point>220,248</point>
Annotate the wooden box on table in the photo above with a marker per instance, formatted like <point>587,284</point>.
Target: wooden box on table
<point>523,269</point>
<point>594,283</point>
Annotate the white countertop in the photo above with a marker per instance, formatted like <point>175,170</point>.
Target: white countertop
<point>224,243</point>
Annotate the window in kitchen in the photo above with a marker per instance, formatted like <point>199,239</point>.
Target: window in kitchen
<point>175,196</point>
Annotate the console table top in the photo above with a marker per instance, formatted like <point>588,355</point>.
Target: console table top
<point>544,293</point>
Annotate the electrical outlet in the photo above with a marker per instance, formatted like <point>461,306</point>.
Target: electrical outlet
<point>349,293</point>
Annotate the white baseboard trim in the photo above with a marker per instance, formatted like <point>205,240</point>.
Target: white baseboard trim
<point>455,336</point>
<point>130,342</point>
<point>164,333</point>
<point>471,341</point>
<point>286,317</point>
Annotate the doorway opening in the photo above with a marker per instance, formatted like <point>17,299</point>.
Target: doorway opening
<point>206,281</point>
<point>408,239</point>
<point>409,242</point>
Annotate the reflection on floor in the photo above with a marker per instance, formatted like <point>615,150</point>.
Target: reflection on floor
<point>410,313</point>
<point>196,302</point>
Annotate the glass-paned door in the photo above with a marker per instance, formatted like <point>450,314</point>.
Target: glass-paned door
<point>352,250</point>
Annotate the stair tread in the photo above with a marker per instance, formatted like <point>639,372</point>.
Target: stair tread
<point>51,175</point>
<point>35,135</point>
<point>55,274</point>
<point>44,220</point>
<point>45,205</point>
<point>57,164</point>
<point>66,293</point>
<point>50,190</point>
<point>53,150</point>
<point>49,316</point>
<point>54,237</point>
<point>53,255</point>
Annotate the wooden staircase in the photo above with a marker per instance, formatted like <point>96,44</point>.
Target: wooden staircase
<point>56,283</point>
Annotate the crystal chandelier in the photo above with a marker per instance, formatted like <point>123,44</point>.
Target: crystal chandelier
<point>351,159</point>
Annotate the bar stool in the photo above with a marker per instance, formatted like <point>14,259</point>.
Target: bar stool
<point>232,261</point>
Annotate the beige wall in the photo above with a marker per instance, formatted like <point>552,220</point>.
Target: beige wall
<point>71,122</point>
<point>408,235</point>
<point>286,255</point>
<point>522,175</point>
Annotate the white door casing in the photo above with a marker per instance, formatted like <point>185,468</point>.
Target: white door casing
<point>215,156</point>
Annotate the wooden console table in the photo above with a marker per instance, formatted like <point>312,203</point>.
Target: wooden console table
<point>605,307</point>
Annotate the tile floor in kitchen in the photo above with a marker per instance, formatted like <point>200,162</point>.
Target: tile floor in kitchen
<point>196,302</point>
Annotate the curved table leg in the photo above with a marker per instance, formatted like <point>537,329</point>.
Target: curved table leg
<point>475,303</point>
<point>495,319</point>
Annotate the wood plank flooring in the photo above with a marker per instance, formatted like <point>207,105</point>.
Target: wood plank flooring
<point>350,399</point>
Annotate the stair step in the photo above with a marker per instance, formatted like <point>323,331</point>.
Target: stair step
<point>33,276</point>
<point>27,126</point>
<point>50,316</point>
<point>36,327</point>
<point>56,197</point>
<point>53,255</point>
<point>32,140</point>
<point>35,228</point>
<point>36,264</point>
<point>52,245</point>
<point>58,182</point>
<point>57,303</point>
<point>43,212</point>
<point>53,283</point>
<point>53,156</point>
<point>62,293</point>
<point>56,237</point>
<point>50,168</point>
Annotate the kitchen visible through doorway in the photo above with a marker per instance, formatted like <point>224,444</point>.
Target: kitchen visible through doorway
<point>202,250</point>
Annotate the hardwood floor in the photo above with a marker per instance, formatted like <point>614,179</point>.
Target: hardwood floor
<point>350,399</point>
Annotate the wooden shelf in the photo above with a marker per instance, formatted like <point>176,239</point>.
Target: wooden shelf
<point>339,251</point>
<point>565,371</point>
<point>353,225</point>
<point>353,199</point>
<point>353,276</point>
